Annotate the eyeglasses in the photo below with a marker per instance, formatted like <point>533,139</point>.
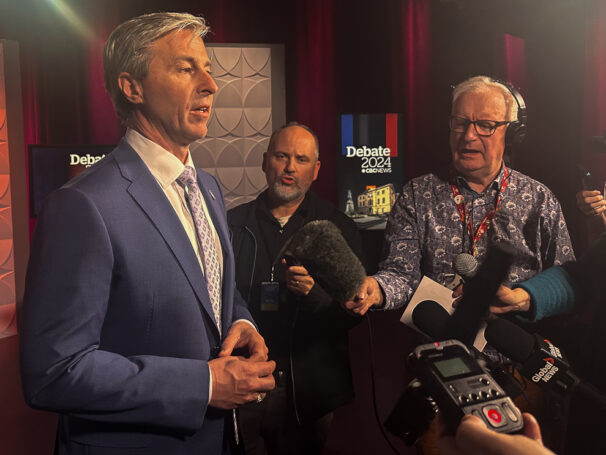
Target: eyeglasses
<point>482,127</point>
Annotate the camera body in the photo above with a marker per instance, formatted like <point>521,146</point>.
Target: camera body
<point>460,386</point>
<point>450,379</point>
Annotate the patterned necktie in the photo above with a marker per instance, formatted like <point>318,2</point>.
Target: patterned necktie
<point>210,259</point>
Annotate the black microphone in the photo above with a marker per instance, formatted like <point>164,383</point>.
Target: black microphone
<point>539,360</point>
<point>430,317</point>
<point>320,247</point>
<point>479,291</point>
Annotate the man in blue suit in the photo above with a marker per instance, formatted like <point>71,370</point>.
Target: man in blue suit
<point>131,315</point>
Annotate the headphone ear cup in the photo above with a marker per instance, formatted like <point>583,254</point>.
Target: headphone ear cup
<point>515,134</point>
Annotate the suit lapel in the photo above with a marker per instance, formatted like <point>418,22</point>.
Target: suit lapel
<point>151,198</point>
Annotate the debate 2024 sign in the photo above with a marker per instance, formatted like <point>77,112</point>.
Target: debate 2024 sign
<point>369,167</point>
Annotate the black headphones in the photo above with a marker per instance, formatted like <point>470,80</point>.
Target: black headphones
<point>516,130</point>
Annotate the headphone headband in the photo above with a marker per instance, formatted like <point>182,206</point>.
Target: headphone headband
<point>516,130</point>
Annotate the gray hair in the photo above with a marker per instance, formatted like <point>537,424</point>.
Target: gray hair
<point>485,84</point>
<point>127,50</point>
<point>300,125</point>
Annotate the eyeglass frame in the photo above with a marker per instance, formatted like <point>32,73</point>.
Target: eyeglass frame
<point>475,125</point>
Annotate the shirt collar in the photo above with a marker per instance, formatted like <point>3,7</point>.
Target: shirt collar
<point>494,185</point>
<point>301,210</point>
<point>163,165</point>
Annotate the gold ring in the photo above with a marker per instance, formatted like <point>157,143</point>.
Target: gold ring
<point>259,397</point>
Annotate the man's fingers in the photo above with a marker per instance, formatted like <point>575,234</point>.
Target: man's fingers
<point>531,428</point>
<point>473,436</point>
<point>265,384</point>
<point>258,352</point>
<point>357,307</point>
<point>265,368</point>
<point>500,309</point>
<point>298,270</point>
<point>227,347</point>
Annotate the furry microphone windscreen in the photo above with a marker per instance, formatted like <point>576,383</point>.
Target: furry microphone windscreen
<point>320,247</point>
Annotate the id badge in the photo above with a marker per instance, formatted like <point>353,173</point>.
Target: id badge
<point>270,293</point>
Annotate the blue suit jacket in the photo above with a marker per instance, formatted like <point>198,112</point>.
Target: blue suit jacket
<point>117,326</point>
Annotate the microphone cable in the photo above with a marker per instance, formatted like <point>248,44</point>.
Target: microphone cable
<point>374,388</point>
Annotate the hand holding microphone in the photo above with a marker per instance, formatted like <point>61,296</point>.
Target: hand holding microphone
<point>298,279</point>
<point>591,202</point>
<point>465,266</point>
<point>368,295</point>
<point>508,299</point>
<point>326,258</point>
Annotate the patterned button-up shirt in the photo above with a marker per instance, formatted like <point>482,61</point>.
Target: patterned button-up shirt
<point>425,233</point>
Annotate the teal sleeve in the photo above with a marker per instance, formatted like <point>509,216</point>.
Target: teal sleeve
<point>552,292</point>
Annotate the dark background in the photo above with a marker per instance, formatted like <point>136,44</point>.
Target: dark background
<point>342,56</point>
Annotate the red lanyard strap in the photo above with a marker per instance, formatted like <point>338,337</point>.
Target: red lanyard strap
<point>487,221</point>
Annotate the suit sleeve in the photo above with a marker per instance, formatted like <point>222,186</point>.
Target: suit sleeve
<point>68,291</point>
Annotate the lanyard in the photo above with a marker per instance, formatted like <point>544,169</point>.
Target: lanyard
<point>486,222</point>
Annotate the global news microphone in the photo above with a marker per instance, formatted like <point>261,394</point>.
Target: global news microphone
<point>576,286</point>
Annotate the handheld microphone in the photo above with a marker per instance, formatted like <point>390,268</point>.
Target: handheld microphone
<point>320,247</point>
<point>465,267</point>
<point>539,360</point>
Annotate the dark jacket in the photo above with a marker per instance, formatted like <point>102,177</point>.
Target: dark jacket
<point>316,326</point>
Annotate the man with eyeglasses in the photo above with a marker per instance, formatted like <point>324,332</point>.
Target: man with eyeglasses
<point>465,208</point>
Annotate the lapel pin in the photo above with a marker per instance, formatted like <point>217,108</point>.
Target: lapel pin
<point>212,195</point>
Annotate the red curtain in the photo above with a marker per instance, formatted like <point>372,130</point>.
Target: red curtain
<point>103,125</point>
<point>594,116</point>
<point>514,60</point>
<point>315,83</point>
<point>414,85</point>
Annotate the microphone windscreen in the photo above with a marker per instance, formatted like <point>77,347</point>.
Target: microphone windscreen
<point>465,265</point>
<point>430,317</point>
<point>320,247</point>
<point>509,339</point>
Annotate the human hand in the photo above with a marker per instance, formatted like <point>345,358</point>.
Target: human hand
<point>244,335</point>
<point>367,296</point>
<point>507,300</point>
<point>457,294</point>
<point>473,437</point>
<point>591,202</point>
<point>298,279</point>
<point>236,381</point>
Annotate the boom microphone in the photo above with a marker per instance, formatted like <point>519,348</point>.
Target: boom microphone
<point>539,360</point>
<point>478,293</point>
<point>320,247</point>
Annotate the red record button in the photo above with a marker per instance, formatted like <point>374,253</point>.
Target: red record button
<point>493,415</point>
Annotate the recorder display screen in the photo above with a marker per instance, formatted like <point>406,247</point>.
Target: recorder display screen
<point>454,366</point>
